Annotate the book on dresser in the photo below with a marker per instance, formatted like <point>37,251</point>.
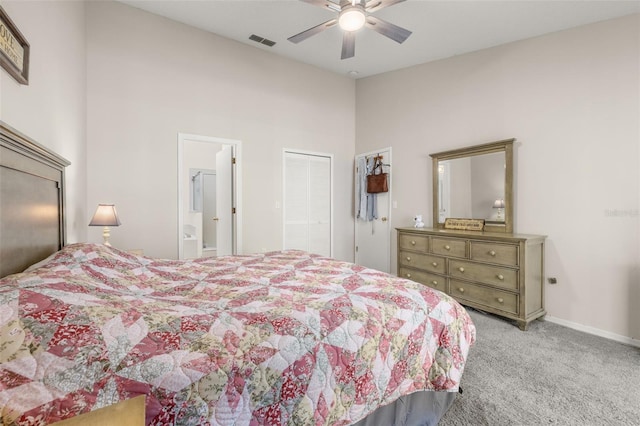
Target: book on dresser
<point>500,273</point>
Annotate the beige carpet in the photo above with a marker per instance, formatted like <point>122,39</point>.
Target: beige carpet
<point>548,375</point>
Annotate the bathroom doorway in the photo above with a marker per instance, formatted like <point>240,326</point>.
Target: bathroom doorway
<point>203,193</point>
<point>209,221</point>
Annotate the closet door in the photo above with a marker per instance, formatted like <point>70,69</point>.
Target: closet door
<point>307,202</point>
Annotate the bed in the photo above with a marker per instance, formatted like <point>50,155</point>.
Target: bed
<point>277,338</point>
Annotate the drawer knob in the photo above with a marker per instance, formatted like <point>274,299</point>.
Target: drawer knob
<point>408,275</point>
<point>434,264</point>
<point>447,247</point>
<point>492,253</point>
<point>408,259</point>
<point>434,282</point>
<point>461,269</point>
<point>413,243</point>
<point>461,290</point>
<point>500,300</point>
<point>500,277</point>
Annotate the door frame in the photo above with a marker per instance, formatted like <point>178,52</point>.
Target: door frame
<point>331,193</point>
<point>390,208</point>
<point>236,191</point>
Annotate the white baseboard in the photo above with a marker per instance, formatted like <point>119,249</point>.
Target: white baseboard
<point>595,331</point>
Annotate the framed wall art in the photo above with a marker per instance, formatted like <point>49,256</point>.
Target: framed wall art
<point>14,49</point>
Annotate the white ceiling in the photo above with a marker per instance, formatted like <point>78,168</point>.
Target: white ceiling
<point>440,29</point>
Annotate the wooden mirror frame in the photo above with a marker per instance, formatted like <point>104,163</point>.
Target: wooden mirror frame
<point>505,146</point>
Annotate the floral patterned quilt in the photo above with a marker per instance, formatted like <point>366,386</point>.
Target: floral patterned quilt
<point>276,338</point>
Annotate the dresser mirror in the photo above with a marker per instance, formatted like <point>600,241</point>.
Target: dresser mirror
<point>475,183</point>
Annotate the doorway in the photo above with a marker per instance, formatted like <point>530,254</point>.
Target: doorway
<point>203,194</point>
<point>373,232</point>
<point>209,213</point>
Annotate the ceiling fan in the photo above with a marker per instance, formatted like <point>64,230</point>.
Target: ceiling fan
<point>353,15</point>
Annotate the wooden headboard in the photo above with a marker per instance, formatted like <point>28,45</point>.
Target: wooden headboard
<point>32,210</point>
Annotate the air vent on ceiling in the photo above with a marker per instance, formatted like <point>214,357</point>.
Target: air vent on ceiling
<point>262,40</point>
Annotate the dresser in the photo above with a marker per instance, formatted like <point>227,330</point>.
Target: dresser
<point>495,272</point>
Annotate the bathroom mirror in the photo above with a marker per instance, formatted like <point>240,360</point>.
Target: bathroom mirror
<point>475,183</point>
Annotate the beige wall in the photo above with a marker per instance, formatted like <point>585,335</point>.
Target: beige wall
<point>51,109</point>
<point>572,101</point>
<point>151,78</point>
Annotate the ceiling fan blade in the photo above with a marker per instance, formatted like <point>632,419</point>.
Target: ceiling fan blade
<point>388,29</point>
<point>325,4</point>
<point>375,5</point>
<point>312,31</point>
<point>348,45</point>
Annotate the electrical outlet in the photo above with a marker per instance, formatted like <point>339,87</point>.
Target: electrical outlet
<point>552,280</point>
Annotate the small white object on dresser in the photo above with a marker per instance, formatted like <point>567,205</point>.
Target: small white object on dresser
<point>501,273</point>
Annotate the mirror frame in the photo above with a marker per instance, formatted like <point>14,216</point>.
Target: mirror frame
<point>505,146</point>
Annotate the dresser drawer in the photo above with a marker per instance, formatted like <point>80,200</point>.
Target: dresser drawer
<point>449,247</point>
<point>422,261</point>
<point>413,242</point>
<point>494,275</point>
<point>432,280</point>
<point>481,295</point>
<point>503,254</point>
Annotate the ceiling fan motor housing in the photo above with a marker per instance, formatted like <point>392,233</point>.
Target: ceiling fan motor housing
<point>352,17</point>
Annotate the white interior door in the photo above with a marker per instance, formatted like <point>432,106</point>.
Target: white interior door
<point>209,210</point>
<point>307,202</point>
<point>224,201</point>
<point>373,237</point>
<point>320,205</point>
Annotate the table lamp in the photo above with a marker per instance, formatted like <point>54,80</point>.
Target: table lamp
<point>499,204</point>
<point>106,216</point>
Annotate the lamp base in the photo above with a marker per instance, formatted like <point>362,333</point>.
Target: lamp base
<point>105,236</point>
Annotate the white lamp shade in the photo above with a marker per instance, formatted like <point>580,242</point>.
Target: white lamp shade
<point>351,19</point>
<point>498,204</point>
<point>105,215</point>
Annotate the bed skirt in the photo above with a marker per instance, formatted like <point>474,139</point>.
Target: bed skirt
<point>418,409</point>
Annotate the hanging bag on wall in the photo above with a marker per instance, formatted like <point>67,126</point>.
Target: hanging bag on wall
<point>377,182</point>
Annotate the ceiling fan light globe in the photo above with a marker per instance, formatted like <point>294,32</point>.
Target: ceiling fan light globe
<point>351,19</point>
